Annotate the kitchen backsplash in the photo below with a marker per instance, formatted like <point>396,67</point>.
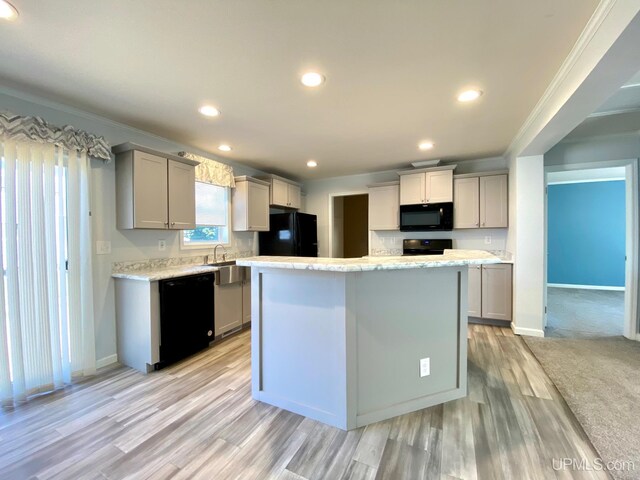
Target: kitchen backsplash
<point>160,263</point>
<point>390,242</point>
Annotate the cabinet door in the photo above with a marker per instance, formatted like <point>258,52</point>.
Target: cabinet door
<point>182,196</point>
<point>439,186</point>
<point>246,299</point>
<point>279,193</point>
<point>412,189</point>
<point>258,205</point>
<point>493,202</point>
<point>475,291</point>
<point>150,207</point>
<point>228,307</point>
<point>496,291</point>
<point>466,203</point>
<point>294,196</point>
<point>384,208</point>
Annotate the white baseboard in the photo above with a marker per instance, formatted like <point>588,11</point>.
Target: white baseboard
<point>585,287</point>
<point>531,332</point>
<point>106,361</point>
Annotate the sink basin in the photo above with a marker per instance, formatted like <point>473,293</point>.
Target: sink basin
<point>229,273</point>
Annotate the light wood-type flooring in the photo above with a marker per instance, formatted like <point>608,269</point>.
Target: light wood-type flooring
<point>197,419</point>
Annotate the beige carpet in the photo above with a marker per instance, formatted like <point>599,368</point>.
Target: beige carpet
<point>600,380</point>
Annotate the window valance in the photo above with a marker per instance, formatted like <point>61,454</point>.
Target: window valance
<point>21,128</point>
<point>210,171</point>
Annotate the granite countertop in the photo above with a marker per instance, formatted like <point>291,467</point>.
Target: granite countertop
<point>450,258</point>
<point>165,273</point>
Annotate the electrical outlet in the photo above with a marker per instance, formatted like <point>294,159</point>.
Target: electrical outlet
<point>487,240</point>
<point>162,245</point>
<point>425,367</point>
<point>103,247</point>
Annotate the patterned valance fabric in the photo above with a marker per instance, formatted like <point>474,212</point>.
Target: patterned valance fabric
<point>210,171</point>
<point>20,128</point>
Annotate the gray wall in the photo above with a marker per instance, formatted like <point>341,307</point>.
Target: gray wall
<point>125,245</point>
<point>319,194</point>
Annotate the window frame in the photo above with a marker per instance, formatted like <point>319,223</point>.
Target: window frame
<point>210,245</point>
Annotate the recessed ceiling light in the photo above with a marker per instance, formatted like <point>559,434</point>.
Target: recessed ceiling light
<point>7,11</point>
<point>469,95</point>
<point>225,148</point>
<point>425,145</point>
<point>312,164</point>
<point>209,111</point>
<point>312,79</point>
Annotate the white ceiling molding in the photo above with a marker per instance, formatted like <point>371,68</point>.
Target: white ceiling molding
<point>601,34</point>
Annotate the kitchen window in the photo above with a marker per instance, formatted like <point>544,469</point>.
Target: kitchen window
<point>212,217</point>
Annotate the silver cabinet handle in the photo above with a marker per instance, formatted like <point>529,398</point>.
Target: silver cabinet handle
<point>477,224</point>
<point>483,224</point>
<point>173,223</point>
<point>166,224</point>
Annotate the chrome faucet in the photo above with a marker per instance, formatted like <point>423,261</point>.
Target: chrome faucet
<point>215,253</point>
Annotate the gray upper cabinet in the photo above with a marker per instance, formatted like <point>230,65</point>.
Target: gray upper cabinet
<point>250,205</point>
<point>153,191</point>
<point>466,202</point>
<point>496,291</point>
<point>426,187</point>
<point>480,201</point>
<point>493,201</point>
<point>384,206</point>
<point>182,194</point>
<point>284,192</point>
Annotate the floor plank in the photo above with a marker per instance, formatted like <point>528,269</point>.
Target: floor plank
<point>196,419</point>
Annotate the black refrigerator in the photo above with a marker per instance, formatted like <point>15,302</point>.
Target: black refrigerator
<point>291,234</point>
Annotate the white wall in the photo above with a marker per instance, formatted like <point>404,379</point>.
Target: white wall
<point>594,149</point>
<point>132,245</point>
<point>320,192</point>
<point>526,241</point>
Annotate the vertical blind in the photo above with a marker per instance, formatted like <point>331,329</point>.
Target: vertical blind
<point>46,296</point>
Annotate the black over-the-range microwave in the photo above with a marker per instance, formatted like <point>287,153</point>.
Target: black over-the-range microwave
<point>426,217</point>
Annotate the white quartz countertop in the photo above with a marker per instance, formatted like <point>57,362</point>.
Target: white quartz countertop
<point>165,273</point>
<point>450,258</point>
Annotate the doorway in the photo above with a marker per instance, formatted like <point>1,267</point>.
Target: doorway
<point>591,220</point>
<point>350,232</point>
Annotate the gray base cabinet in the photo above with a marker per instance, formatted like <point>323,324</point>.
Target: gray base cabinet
<point>490,292</point>
<point>228,308</point>
<point>246,300</point>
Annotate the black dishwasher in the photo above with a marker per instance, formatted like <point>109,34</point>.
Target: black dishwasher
<point>186,316</point>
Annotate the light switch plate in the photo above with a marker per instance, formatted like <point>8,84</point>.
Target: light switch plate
<point>162,245</point>
<point>103,247</point>
<point>487,240</point>
<point>425,367</point>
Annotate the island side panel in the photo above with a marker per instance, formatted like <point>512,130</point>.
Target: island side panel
<point>298,342</point>
<point>402,316</point>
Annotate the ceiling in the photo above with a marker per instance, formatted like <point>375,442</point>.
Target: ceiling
<point>393,72</point>
<point>619,114</point>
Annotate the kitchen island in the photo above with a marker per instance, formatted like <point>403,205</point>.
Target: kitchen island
<point>350,342</point>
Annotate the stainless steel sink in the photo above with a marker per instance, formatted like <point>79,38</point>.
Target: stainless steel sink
<point>230,273</point>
